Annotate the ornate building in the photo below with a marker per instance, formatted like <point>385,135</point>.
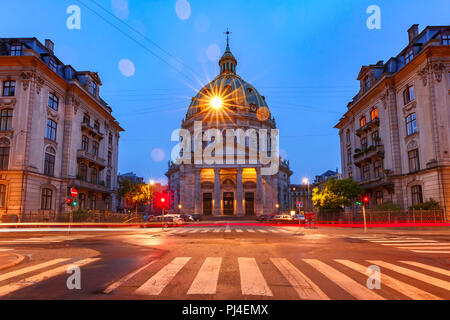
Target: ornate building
<point>55,133</point>
<point>395,135</point>
<point>238,187</point>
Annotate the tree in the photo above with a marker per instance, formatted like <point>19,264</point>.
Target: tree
<point>139,194</point>
<point>336,194</point>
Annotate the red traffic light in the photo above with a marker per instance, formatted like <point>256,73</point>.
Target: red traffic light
<point>366,199</point>
<point>69,201</point>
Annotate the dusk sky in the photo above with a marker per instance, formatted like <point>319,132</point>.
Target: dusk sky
<point>303,56</point>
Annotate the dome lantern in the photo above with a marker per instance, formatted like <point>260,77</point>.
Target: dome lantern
<point>228,62</point>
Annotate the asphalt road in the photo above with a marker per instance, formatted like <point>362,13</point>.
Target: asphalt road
<point>228,262</point>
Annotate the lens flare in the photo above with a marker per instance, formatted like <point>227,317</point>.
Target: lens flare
<point>216,103</point>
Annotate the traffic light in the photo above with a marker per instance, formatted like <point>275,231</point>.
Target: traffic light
<point>358,203</point>
<point>69,202</point>
<point>366,199</point>
<point>74,202</point>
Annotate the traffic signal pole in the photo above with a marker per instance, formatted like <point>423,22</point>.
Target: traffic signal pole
<point>364,216</point>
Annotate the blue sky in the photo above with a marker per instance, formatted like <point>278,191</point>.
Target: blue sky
<point>303,56</point>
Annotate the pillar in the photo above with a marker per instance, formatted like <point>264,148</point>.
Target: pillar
<point>259,196</point>
<point>217,192</point>
<point>197,192</point>
<point>239,207</point>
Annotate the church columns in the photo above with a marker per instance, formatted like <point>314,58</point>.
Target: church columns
<point>259,195</point>
<point>197,192</point>
<point>239,207</point>
<point>217,192</point>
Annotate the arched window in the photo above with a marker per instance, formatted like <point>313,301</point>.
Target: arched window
<point>6,119</point>
<point>51,130</point>
<point>49,163</point>
<point>46,199</point>
<point>2,195</point>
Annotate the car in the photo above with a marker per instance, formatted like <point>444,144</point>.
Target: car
<point>300,218</point>
<point>196,217</point>
<point>187,217</point>
<point>282,218</point>
<point>266,217</point>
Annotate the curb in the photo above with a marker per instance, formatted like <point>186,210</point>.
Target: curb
<point>19,259</point>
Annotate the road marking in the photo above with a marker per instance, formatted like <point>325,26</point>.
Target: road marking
<point>434,251</point>
<point>304,287</point>
<point>400,241</point>
<point>250,230</point>
<point>262,230</point>
<point>239,230</point>
<point>404,288</point>
<point>217,230</point>
<point>354,288</point>
<point>205,230</point>
<point>22,271</point>
<point>3,250</point>
<point>124,279</point>
<point>428,248</point>
<point>156,284</point>
<point>283,230</point>
<point>206,280</point>
<point>252,280</point>
<point>41,277</point>
<point>415,244</point>
<point>227,230</point>
<point>413,274</point>
<point>428,267</point>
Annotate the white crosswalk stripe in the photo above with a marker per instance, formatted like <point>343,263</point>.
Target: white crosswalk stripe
<point>252,280</point>
<point>9,288</point>
<point>51,239</point>
<point>32,268</point>
<point>417,245</point>
<point>206,280</point>
<point>428,267</point>
<point>5,249</point>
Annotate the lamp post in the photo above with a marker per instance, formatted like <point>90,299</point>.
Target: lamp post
<point>306,181</point>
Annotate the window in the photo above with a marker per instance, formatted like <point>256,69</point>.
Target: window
<point>416,195</point>
<point>376,138</point>
<point>6,119</point>
<point>82,200</point>
<point>411,124</point>
<point>94,175</point>
<point>349,155</point>
<point>364,143</point>
<point>413,160</point>
<point>409,55</point>
<point>2,195</point>
<point>49,165</point>
<point>366,172</point>
<point>350,173</point>
<point>9,88</point>
<point>374,114</point>
<point>109,158</point>
<point>366,83</point>
<point>46,199</point>
<point>379,197</point>
<point>51,130</point>
<point>93,88</point>
<point>408,95</point>
<point>362,122</point>
<point>4,158</point>
<point>93,202</point>
<point>16,50</point>
<point>378,168</point>
<point>53,101</point>
<point>95,147</point>
<point>52,64</point>
<point>445,38</point>
<point>85,143</point>
<point>97,125</point>
<point>110,140</point>
<point>82,172</point>
<point>86,119</point>
<point>347,136</point>
<point>108,180</point>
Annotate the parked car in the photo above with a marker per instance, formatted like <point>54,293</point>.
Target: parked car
<point>187,217</point>
<point>266,217</point>
<point>196,217</point>
<point>282,218</point>
<point>300,218</point>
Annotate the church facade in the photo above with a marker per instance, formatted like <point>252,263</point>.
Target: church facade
<point>243,176</point>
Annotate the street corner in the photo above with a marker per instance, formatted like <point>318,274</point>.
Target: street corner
<point>10,259</point>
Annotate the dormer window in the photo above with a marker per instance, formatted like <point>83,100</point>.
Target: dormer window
<point>16,50</point>
<point>93,88</point>
<point>445,38</point>
<point>409,55</point>
<point>52,64</point>
<point>366,83</point>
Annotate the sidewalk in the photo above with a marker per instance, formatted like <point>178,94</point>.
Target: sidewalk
<point>9,259</point>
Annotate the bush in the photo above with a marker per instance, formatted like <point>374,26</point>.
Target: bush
<point>387,206</point>
<point>429,205</point>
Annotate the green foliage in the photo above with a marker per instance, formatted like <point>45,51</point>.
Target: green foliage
<point>387,206</point>
<point>336,194</point>
<point>429,205</point>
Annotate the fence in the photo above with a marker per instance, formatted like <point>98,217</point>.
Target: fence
<point>383,217</point>
<point>52,216</point>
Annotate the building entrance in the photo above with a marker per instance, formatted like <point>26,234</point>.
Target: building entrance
<point>228,203</point>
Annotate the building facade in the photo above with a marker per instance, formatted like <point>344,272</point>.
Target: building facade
<point>220,188</point>
<point>395,135</point>
<point>55,133</point>
<point>300,197</point>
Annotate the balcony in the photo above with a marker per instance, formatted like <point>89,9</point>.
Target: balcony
<point>368,155</point>
<point>385,182</point>
<point>91,131</point>
<point>86,185</point>
<point>369,126</point>
<point>92,159</point>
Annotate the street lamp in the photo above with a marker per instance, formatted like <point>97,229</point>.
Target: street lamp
<point>306,181</point>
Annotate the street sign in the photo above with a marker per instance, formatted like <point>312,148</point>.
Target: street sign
<point>74,192</point>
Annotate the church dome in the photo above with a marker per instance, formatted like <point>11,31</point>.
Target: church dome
<point>235,93</point>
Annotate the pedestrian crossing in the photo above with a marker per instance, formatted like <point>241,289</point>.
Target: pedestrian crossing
<point>306,278</point>
<point>48,239</point>
<point>225,229</point>
<point>413,244</point>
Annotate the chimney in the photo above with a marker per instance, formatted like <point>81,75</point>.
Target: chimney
<point>413,32</point>
<point>49,45</point>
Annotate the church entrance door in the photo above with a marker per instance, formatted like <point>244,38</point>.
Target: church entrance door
<point>249,204</point>
<point>207,204</point>
<point>228,203</point>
